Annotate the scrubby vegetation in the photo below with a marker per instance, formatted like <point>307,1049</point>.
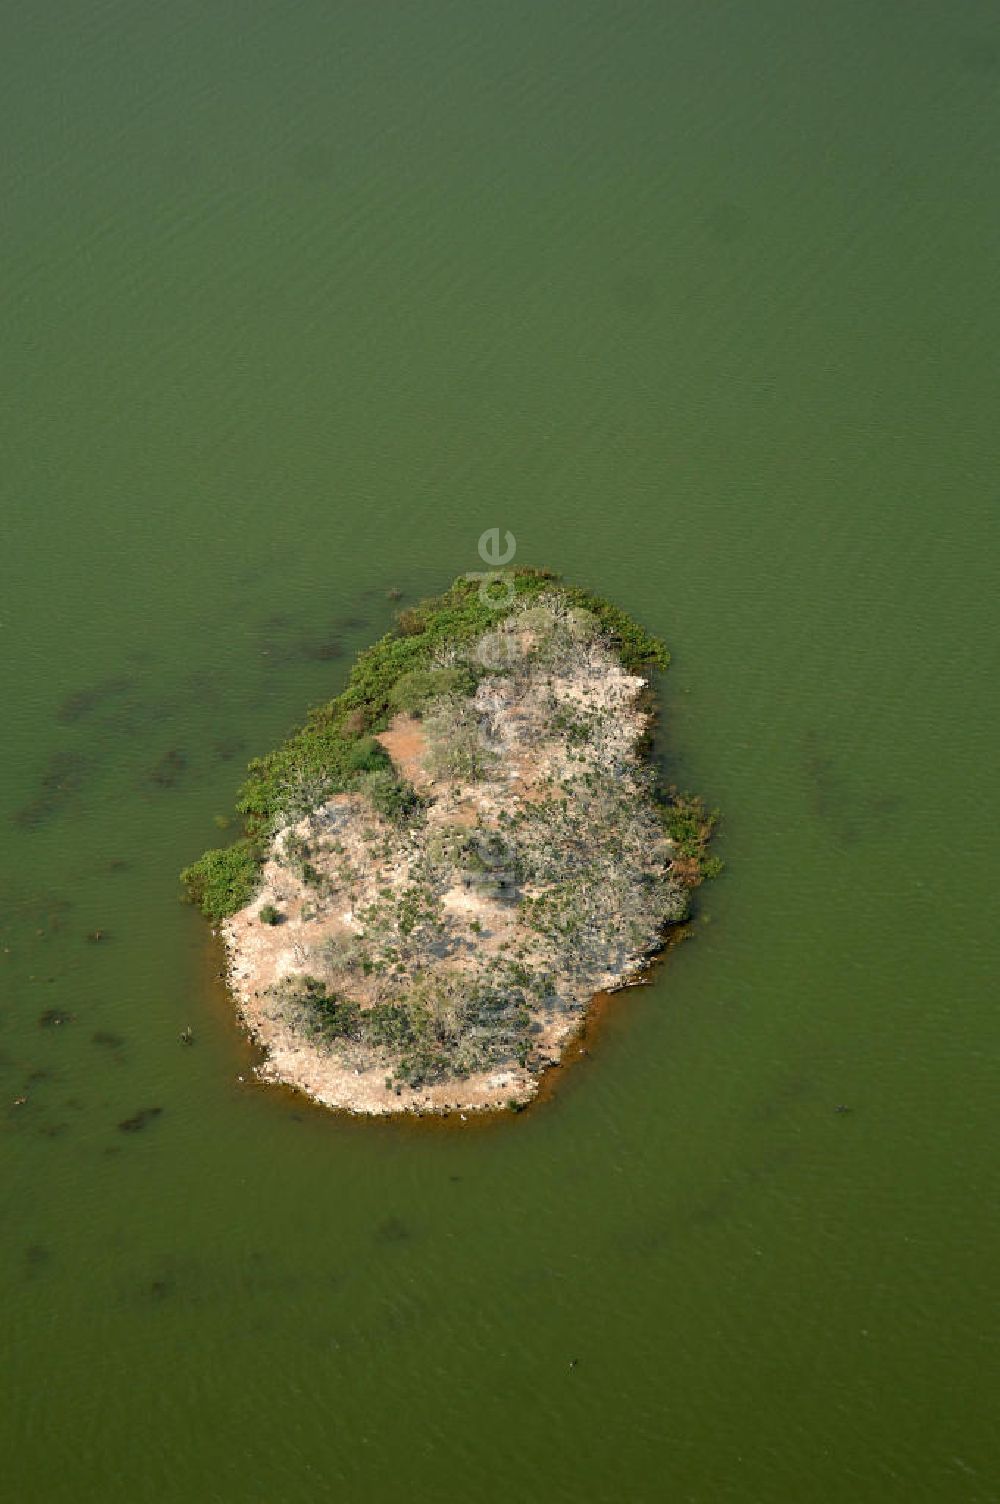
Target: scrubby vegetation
<point>444,914</point>
<point>451,1029</point>
<point>690,825</point>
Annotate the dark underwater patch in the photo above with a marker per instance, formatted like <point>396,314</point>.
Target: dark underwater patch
<point>321,649</point>
<point>53,1018</point>
<point>204,686</point>
<point>851,815</point>
<point>64,776</point>
<point>169,770</point>
<point>44,913</point>
<point>36,1258</point>
<point>139,1120</point>
<point>83,701</point>
<point>785,1096</point>
<point>392,1230</point>
<point>281,642</point>
<point>225,748</point>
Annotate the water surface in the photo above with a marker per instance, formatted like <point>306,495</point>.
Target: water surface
<point>700,302</point>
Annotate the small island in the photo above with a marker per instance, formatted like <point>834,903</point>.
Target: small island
<point>448,862</point>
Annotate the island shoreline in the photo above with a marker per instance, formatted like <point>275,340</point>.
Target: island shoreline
<point>452,868</point>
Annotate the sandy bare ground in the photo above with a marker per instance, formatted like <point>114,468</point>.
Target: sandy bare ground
<point>342,877</point>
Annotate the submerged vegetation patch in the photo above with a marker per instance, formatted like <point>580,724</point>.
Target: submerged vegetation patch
<point>62,779</point>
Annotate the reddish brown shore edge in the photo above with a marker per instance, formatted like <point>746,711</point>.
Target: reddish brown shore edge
<point>602,1014</point>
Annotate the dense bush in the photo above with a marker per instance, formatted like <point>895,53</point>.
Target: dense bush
<point>325,1014</point>
<point>690,825</point>
<point>223,880</point>
<point>367,756</point>
<point>394,1025</point>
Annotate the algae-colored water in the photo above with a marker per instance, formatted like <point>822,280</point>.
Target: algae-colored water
<point>700,303</point>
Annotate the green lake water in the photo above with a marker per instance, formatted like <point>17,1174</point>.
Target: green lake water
<point>701,302</point>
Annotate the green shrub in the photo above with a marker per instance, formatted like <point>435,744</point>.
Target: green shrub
<point>268,914</point>
<point>339,1018</point>
<point>690,826</point>
<point>326,1013</point>
<point>393,1025</point>
<point>413,690</point>
<point>422,1065</point>
<point>224,879</point>
<point>389,796</point>
<point>635,646</point>
<point>367,756</point>
<point>688,823</point>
